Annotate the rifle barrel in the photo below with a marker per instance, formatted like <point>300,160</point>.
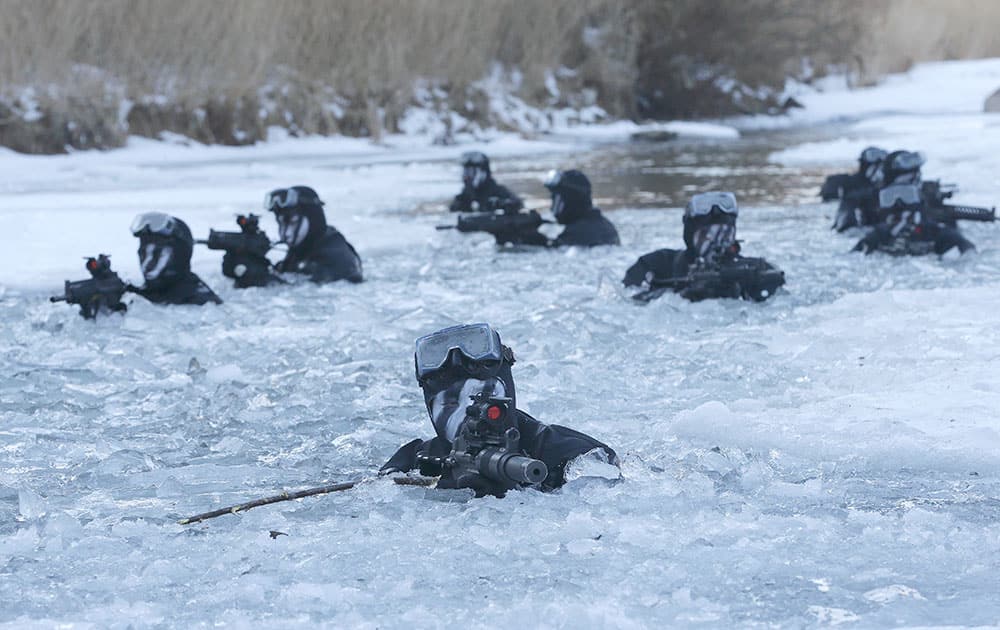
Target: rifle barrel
<point>445,227</point>
<point>58,298</point>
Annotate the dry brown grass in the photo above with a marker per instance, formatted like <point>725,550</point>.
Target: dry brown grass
<point>904,32</point>
<point>232,46</point>
<point>206,68</point>
<point>186,61</point>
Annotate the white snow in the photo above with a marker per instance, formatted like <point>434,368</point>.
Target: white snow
<point>929,89</point>
<point>936,109</point>
<point>828,457</point>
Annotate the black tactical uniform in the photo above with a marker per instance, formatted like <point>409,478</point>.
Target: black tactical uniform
<point>448,386</point>
<point>314,248</point>
<point>907,228</point>
<point>859,192</point>
<point>573,207</point>
<point>480,192</point>
<point>165,247</point>
<point>710,246</point>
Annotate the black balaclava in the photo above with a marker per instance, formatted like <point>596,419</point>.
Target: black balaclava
<point>475,170</point>
<point>870,165</point>
<point>447,392</point>
<point>902,167</point>
<point>302,225</point>
<point>165,258</point>
<point>571,196</point>
<point>709,235</point>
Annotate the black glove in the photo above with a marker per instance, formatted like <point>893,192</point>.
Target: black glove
<point>247,270</point>
<point>479,484</point>
<point>868,244</point>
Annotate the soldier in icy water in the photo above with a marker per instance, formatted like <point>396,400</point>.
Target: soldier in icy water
<point>710,266</point>
<point>911,221</point>
<point>572,206</point>
<point>315,249</point>
<point>858,192</point>
<point>165,247</point>
<point>483,441</point>
<point>480,192</point>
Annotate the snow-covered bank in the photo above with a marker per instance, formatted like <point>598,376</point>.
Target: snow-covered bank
<point>941,88</point>
<point>935,109</point>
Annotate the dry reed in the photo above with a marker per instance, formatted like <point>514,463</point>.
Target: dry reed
<point>224,70</point>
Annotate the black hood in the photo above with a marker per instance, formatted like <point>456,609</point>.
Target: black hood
<point>433,387</point>
<point>571,196</point>
<point>167,257</point>
<point>317,228</point>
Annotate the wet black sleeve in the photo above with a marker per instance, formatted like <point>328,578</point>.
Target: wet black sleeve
<point>188,289</point>
<point>405,459</point>
<point>879,235</point>
<point>202,294</point>
<point>524,237</point>
<point>659,263</point>
<point>557,446</point>
<point>462,202</point>
<point>588,232</point>
<point>946,237</point>
<point>335,259</point>
<point>834,186</point>
<point>501,198</point>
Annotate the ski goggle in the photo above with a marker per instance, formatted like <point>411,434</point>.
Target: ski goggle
<point>907,161</point>
<point>871,155</point>
<point>906,194</point>
<point>474,158</point>
<point>153,223</point>
<point>702,204</point>
<point>283,198</point>
<point>478,342</point>
<point>553,179</point>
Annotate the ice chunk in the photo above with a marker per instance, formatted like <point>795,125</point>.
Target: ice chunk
<point>31,505</point>
<point>593,464</point>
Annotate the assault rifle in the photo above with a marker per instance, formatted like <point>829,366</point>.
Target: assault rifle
<point>506,227</point>
<point>250,240</point>
<point>489,446</point>
<point>246,253</point>
<point>733,277</point>
<point>935,193</point>
<point>101,293</point>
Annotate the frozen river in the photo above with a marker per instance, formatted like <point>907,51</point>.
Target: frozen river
<point>829,456</point>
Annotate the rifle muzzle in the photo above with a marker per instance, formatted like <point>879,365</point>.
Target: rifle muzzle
<point>501,465</point>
